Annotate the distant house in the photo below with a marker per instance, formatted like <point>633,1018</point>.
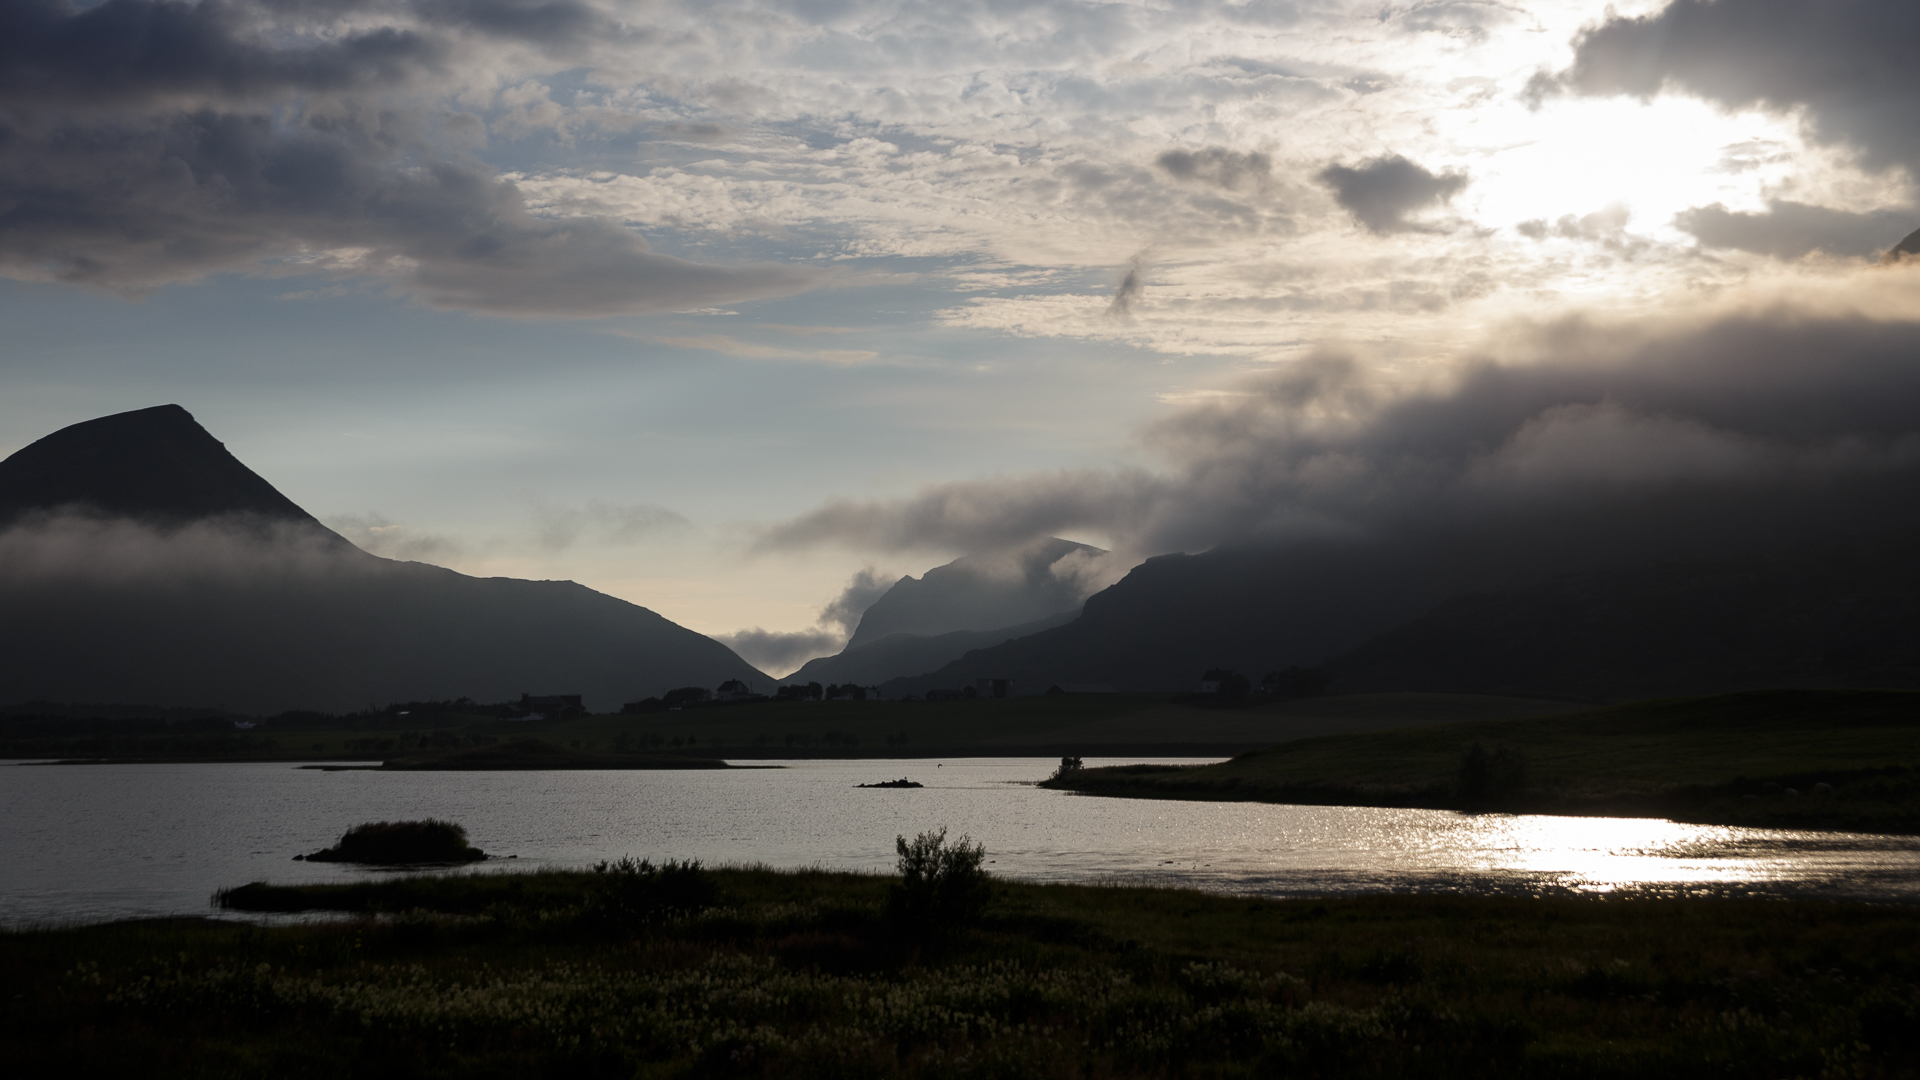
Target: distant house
<point>733,690</point>
<point>993,687</point>
<point>548,707</point>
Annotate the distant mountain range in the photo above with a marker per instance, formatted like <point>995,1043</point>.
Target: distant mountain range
<point>921,624</point>
<point>142,562</point>
<point>1836,612</point>
<point>980,592</point>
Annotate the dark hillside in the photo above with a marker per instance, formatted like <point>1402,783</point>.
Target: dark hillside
<point>153,465</point>
<point>1838,614</point>
<point>187,580</point>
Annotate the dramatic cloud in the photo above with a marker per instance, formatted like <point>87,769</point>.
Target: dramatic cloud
<point>862,590</point>
<point>1802,411</point>
<point>57,549</point>
<point>152,142</point>
<point>1381,193</point>
<point>1218,166</point>
<point>781,652</point>
<point>1789,230</point>
<point>1849,63</point>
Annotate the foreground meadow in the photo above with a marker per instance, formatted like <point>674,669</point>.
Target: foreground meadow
<point>677,971</point>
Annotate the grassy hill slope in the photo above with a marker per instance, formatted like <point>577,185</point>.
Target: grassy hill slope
<point>1727,758</point>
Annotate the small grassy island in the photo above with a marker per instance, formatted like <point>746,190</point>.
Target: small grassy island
<point>673,970</point>
<point>1793,759</point>
<point>401,843</point>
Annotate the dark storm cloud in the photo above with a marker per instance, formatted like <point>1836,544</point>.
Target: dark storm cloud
<point>1789,229</point>
<point>1381,193</point>
<point>1854,64</point>
<point>1230,169</point>
<point>151,142</point>
<point>1757,424</point>
<point>133,51</point>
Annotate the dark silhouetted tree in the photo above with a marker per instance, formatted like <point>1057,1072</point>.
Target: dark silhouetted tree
<point>942,885</point>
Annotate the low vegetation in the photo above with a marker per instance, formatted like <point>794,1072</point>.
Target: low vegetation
<point>655,970</point>
<point>456,734</point>
<point>400,843</point>
<point>1834,759</point>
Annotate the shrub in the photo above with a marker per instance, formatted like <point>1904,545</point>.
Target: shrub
<point>686,695</point>
<point>387,843</point>
<point>1068,766</point>
<point>635,892</point>
<point>943,885</point>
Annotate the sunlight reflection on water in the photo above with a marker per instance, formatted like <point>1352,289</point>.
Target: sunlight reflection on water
<point>114,841</point>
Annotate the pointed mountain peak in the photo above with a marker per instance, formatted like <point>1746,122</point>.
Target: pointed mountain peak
<point>156,465</point>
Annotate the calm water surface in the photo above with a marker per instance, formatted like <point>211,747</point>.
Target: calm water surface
<point>85,843</point>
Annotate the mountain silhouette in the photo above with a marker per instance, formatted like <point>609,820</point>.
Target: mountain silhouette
<point>1590,603</point>
<point>153,465</point>
<point>145,564</point>
<point>980,592</point>
<point>1841,613</point>
<point>975,601</point>
<point>898,655</point>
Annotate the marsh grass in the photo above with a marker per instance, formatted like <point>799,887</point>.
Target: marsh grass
<point>803,974</point>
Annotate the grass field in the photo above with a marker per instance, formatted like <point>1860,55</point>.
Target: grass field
<point>1099,724</point>
<point>803,974</point>
<point>1707,759</point>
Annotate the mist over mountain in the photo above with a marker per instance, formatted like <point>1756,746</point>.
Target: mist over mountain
<point>976,601</point>
<point>144,563</point>
<point>982,592</point>
<point>1833,612</point>
<point>897,655</point>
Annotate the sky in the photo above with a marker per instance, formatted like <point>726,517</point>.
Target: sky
<point>739,310</point>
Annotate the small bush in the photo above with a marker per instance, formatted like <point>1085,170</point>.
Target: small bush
<point>1068,766</point>
<point>943,885</point>
<point>388,843</point>
<point>633,893</point>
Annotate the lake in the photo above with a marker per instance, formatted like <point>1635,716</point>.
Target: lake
<point>86,843</point>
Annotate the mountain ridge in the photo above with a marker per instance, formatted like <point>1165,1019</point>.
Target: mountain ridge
<point>194,582</point>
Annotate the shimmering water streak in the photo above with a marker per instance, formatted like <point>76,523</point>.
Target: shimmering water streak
<point>117,841</point>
